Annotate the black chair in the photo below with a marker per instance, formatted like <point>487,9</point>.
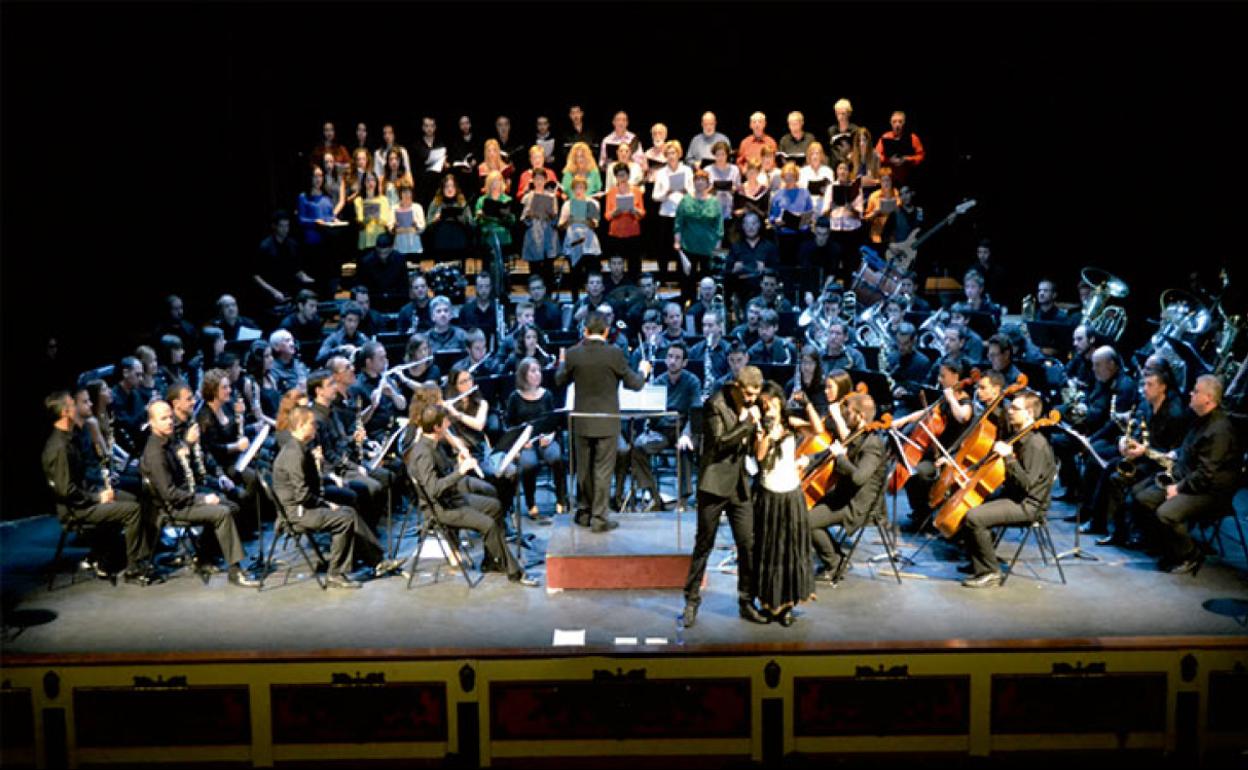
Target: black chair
<point>848,544</point>
<point>447,538</point>
<point>186,545</point>
<point>288,529</point>
<point>1044,540</point>
<point>1208,531</point>
<point>73,528</point>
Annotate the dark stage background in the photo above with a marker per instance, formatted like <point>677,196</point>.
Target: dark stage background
<point>145,145</point>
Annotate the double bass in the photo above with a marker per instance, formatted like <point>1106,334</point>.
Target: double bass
<point>822,477</point>
<point>974,446</point>
<point>928,429</point>
<point>984,479</point>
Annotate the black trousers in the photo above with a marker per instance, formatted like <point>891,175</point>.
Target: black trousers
<point>221,517</point>
<point>531,459</point>
<point>821,517</point>
<point>348,531</point>
<point>741,519</point>
<point>1172,517</point>
<point>484,514</point>
<point>1095,483</point>
<point>1120,495</point>
<point>595,461</point>
<point>919,487</point>
<point>645,447</point>
<point>126,511</point>
<point>978,528</point>
<point>1065,450</point>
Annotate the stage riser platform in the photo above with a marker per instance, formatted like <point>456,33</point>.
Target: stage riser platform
<point>647,551</point>
<point>381,707</point>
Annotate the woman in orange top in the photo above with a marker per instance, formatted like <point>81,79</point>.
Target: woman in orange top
<point>624,230</point>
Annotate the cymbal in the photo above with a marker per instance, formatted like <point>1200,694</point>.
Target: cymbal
<point>625,295</point>
<point>1114,286</point>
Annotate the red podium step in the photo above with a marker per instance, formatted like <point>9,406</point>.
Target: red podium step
<point>648,550</point>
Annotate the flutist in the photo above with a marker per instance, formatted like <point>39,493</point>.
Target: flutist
<point>1204,479</point>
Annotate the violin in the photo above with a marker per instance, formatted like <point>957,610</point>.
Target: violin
<point>985,478</point>
<point>974,446</point>
<point>926,430</point>
<point>822,477</point>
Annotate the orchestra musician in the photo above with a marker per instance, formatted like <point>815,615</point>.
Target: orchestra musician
<point>527,403</point>
<point>684,391</point>
<point>1029,469</point>
<point>1202,483</point>
<point>862,467</point>
<point>297,484</point>
<point>956,411</point>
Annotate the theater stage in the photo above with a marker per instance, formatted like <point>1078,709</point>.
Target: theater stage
<point>1122,657</point>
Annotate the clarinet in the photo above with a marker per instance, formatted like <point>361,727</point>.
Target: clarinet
<point>199,460</point>
<point>359,427</point>
<point>106,469</point>
<point>184,458</point>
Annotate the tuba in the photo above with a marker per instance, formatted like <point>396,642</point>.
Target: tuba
<point>1183,317</point>
<point>932,332</point>
<point>872,329</point>
<point>1106,320</point>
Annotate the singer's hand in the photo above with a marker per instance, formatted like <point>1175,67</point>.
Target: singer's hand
<point>684,443</point>
<point>755,414</point>
<point>1003,449</point>
<point>1172,490</point>
<point>108,496</point>
<point>192,434</point>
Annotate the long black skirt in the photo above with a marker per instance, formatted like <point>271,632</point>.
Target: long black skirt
<point>783,568</point>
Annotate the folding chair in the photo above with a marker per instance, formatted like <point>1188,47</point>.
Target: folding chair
<point>286,528</point>
<point>848,544</point>
<point>75,528</point>
<point>186,545</point>
<point>447,538</point>
<point>1044,540</point>
<point>1210,532</point>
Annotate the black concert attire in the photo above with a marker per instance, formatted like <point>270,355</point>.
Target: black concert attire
<point>473,316</point>
<point>723,487</point>
<point>298,488</point>
<point>662,432</point>
<point>778,351</point>
<point>442,487</point>
<point>215,437</point>
<point>817,262</point>
<point>453,338</point>
<point>638,311</point>
<point>278,263</point>
<point>863,470</point>
<point>1166,429</point>
<point>1066,448</point>
<point>65,469</point>
<point>597,369</point>
<point>547,316</point>
<point>232,330</point>
<point>519,411</point>
<point>165,464</point>
<point>129,413</point>
<point>909,371</point>
<point>339,339</point>
<point>1104,441</point>
<point>1023,497</point>
<point>1207,473</point>
<point>848,358</point>
<point>923,476</point>
<point>715,358</point>
<point>386,278</point>
<point>341,458</point>
<point>414,317</point>
<point>744,333</point>
<point>381,422</point>
<point>181,328</point>
<point>748,281</point>
<point>303,330</point>
<point>1052,314</point>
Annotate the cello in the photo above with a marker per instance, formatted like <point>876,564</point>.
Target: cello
<point>974,446</point>
<point>821,477</point>
<point>984,479</point>
<point>929,428</point>
<point>820,438</point>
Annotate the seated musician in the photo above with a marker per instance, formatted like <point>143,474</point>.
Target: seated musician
<point>443,336</point>
<point>808,385</point>
<point>440,484</point>
<point>297,484</point>
<point>595,295</point>
<point>1161,421</point>
<point>472,421</point>
<point>415,315</point>
<point>617,331</point>
<point>1001,357</point>
<point>166,464</point>
<point>650,300</point>
<point>769,297</point>
<point>1201,485</point>
<point>837,354</point>
<point>342,449</point>
<point>546,314</point>
<point>420,353</point>
<point>909,287</point>
<point>128,406</point>
<point>383,401</point>
<point>481,312</point>
<point>673,324</point>
<point>1092,419</point>
<point>973,348</point>
<point>1029,471</point>
<point>527,403</point>
<point>818,255</point>
<point>531,343</point>
<point>478,361</point>
<point>651,344</point>
<point>977,301</point>
<point>288,371</point>
<point>223,433</point>
<point>305,323</point>
<point>524,317</point>
<point>862,467</point>
<point>347,335</point>
<point>750,258</point>
<point>684,392</point>
<point>956,410</point>
<point>1046,302</point>
<point>65,469</point>
<point>954,353</point>
<point>771,349</point>
<point>703,303</point>
<point>617,274</point>
<point>908,367</point>
<point>712,349</point>
<point>738,359</point>
<point>748,331</point>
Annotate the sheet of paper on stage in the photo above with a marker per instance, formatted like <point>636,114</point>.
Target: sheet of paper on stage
<point>626,640</point>
<point>569,638</point>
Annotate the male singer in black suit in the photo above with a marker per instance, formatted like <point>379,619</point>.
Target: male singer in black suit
<point>731,420</point>
<point>597,370</point>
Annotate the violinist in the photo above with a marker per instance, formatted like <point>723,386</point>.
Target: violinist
<point>1029,472</point>
<point>955,412</point>
<point>862,467</point>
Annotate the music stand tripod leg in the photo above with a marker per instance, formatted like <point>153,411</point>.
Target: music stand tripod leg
<point>1077,552</point>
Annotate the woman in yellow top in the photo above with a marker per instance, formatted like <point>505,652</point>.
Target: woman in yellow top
<point>581,163</point>
<point>372,213</point>
<point>881,206</point>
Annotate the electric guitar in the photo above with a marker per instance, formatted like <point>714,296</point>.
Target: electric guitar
<point>902,254</point>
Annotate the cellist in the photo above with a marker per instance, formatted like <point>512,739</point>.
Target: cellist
<point>956,412</point>
<point>1029,474</point>
<point>862,467</point>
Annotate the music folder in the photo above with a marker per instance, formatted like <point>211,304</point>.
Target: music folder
<point>843,194</point>
<point>495,208</point>
<point>723,185</point>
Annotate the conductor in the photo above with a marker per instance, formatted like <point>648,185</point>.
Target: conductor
<point>597,369</point>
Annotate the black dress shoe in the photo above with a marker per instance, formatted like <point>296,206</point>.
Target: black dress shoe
<point>1191,565</point>
<point>582,520</point>
<point>690,615</point>
<point>604,526</point>
<point>986,580</point>
<point>786,618</point>
<point>240,578</point>
<point>1092,528</point>
<point>1134,543</point>
<point>748,611</point>
<point>1116,540</point>
<point>339,580</point>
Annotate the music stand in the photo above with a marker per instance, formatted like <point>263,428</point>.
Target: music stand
<point>511,443</point>
<point>1078,552</point>
<point>1054,335</point>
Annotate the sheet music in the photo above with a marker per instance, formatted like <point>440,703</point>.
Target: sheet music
<point>256,443</point>
<point>372,465</point>
<point>510,457</point>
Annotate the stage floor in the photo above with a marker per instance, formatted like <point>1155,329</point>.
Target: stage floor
<point>1122,595</point>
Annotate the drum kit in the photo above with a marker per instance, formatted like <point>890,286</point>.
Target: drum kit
<point>447,280</point>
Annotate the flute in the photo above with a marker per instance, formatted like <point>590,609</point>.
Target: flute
<point>461,450</point>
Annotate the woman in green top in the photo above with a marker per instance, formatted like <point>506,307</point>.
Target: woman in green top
<point>698,231</point>
<point>581,163</point>
<point>495,228</point>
